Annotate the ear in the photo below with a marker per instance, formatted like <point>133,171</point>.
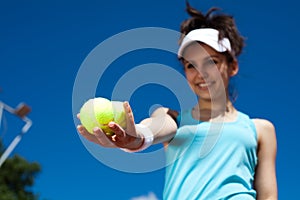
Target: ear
<point>233,68</point>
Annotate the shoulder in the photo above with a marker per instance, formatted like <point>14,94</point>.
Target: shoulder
<point>159,111</point>
<point>266,133</point>
<point>263,125</point>
<point>165,110</point>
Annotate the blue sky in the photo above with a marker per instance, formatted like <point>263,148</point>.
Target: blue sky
<point>44,43</point>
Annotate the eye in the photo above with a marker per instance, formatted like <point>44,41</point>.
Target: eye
<point>211,62</point>
<point>188,65</point>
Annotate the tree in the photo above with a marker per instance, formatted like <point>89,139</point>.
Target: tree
<point>17,177</point>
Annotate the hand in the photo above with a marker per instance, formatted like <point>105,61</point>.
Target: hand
<point>121,138</point>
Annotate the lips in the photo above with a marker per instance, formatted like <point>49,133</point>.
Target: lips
<point>204,85</point>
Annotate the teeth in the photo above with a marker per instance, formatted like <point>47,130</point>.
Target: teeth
<point>204,84</point>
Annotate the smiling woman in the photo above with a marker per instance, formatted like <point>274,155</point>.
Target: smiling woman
<point>213,151</point>
<point>207,71</point>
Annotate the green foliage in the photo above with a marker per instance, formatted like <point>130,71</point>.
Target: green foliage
<point>16,177</point>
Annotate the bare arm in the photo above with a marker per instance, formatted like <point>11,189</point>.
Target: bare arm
<point>265,181</point>
<point>162,125</point>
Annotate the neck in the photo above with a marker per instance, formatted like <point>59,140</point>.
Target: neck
<point>207,110</point>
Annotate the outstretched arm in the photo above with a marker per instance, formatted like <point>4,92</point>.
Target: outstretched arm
<point>265,176</point>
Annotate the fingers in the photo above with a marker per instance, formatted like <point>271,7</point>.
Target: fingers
<point>119,132</point>
<point>120,138</point>
<point>130,124</point>
<point>99,137</point>
<point>103,139</point>
<point>86,134</point>
<point>117,129</point>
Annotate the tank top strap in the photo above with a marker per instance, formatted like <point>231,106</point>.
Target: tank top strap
<point>244,117</point>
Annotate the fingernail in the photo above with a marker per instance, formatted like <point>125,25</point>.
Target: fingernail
<point>95,129</point>
<point>111,124</point>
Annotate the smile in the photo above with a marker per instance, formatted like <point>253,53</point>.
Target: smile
<point>205,85</point>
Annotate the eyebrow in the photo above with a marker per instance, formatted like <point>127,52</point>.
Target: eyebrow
<point>184,61</point>
<point>211,56</point>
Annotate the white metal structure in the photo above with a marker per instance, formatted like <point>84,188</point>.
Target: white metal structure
<point>21,111</point>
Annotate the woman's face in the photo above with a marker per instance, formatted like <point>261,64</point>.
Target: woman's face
<point>207,71</point>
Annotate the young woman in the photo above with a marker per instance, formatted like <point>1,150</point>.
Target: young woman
<point>213,150</point>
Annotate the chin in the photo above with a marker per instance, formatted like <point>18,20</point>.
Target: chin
<point>210,96</point>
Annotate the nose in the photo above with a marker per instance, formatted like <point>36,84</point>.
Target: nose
<point>201,72</point>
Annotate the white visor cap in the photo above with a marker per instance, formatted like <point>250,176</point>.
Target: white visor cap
<point>208,36</point>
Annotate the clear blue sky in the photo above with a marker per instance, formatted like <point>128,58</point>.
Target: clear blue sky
<point>44,43</point>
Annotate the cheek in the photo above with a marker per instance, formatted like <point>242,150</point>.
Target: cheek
<point>189,75</point>
<point>225,78</point>
<point>223,73</point>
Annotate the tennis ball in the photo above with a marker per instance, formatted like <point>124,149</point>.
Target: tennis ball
<point>119,113</point>
<point>98,112</point>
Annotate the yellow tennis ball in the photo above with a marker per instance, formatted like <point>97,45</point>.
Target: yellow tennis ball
<point>119,113</point>
<point>98,112</point>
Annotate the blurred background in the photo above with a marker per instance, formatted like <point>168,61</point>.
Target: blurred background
<point>43,45</point>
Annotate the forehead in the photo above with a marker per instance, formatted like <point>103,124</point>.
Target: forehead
<point>198,50</point>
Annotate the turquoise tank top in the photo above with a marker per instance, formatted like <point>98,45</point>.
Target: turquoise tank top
<point>211,161</point>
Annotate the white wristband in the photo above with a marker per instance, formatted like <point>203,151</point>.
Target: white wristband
<point>148,136</point>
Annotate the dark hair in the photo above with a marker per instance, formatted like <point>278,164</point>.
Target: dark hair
<point>224,23</point>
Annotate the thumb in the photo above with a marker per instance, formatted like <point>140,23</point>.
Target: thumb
<point>130,124</point>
